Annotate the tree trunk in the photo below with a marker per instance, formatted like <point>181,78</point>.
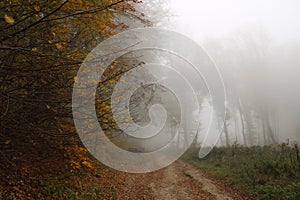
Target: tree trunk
<point>242,122</point>
<point>264,133</point>
<point>226,134</point>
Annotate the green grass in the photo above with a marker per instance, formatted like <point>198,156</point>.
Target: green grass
<point>259,172</point>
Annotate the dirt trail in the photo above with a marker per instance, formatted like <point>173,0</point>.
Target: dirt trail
<point>179,181</point>
<point>184,181</point>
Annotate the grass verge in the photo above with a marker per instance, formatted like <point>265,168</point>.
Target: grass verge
<point>270,172</point>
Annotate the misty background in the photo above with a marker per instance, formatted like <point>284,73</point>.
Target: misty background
<point>256,46</point>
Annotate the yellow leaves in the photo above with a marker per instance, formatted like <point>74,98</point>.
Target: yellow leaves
<point>84,150</point>
<point>103,111</point>
<point>103,108</point>
<point>77,158</point>
<point>49,107</point>
<point>102,26</point>
<point>87,164</point>
<point>8,19</point>
<point>112,82</point>
<point>103,104</point>
<point>75,165</point>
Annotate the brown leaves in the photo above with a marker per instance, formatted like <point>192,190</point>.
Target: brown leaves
<point>37,8</point>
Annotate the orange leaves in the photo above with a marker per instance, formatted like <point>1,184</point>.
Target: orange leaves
<point>87,164</point>
<point>112,67</point>
<point>112,25</point>
<point>78,158</point>
<point>75,165</point>
<point>102,26</point>
<point>104,22</point>
<point>107,25</point>
<point>58,39</point>
<point>58,45</point>
<point>37,8</point>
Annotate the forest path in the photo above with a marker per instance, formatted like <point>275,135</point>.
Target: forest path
<point>184,181</point>
<point>178,181</point>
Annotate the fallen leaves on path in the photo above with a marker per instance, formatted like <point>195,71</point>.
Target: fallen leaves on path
<point>180,181</point>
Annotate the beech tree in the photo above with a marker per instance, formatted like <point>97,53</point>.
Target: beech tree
<point>42,44</point>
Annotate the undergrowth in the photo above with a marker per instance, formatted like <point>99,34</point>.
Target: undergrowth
<point>270,172</point>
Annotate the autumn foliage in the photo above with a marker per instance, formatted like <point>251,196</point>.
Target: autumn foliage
<point>42,44</point>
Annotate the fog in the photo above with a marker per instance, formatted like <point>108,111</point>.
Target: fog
<point>256,46</point>
<point>216,18</point>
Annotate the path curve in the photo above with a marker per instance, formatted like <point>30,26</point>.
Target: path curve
<point>183,181</point>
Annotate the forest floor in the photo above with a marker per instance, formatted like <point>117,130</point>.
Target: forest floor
<point>226,173</point>
<point>36,172</point>
<point>182,180</point>
<point>32,172</point>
